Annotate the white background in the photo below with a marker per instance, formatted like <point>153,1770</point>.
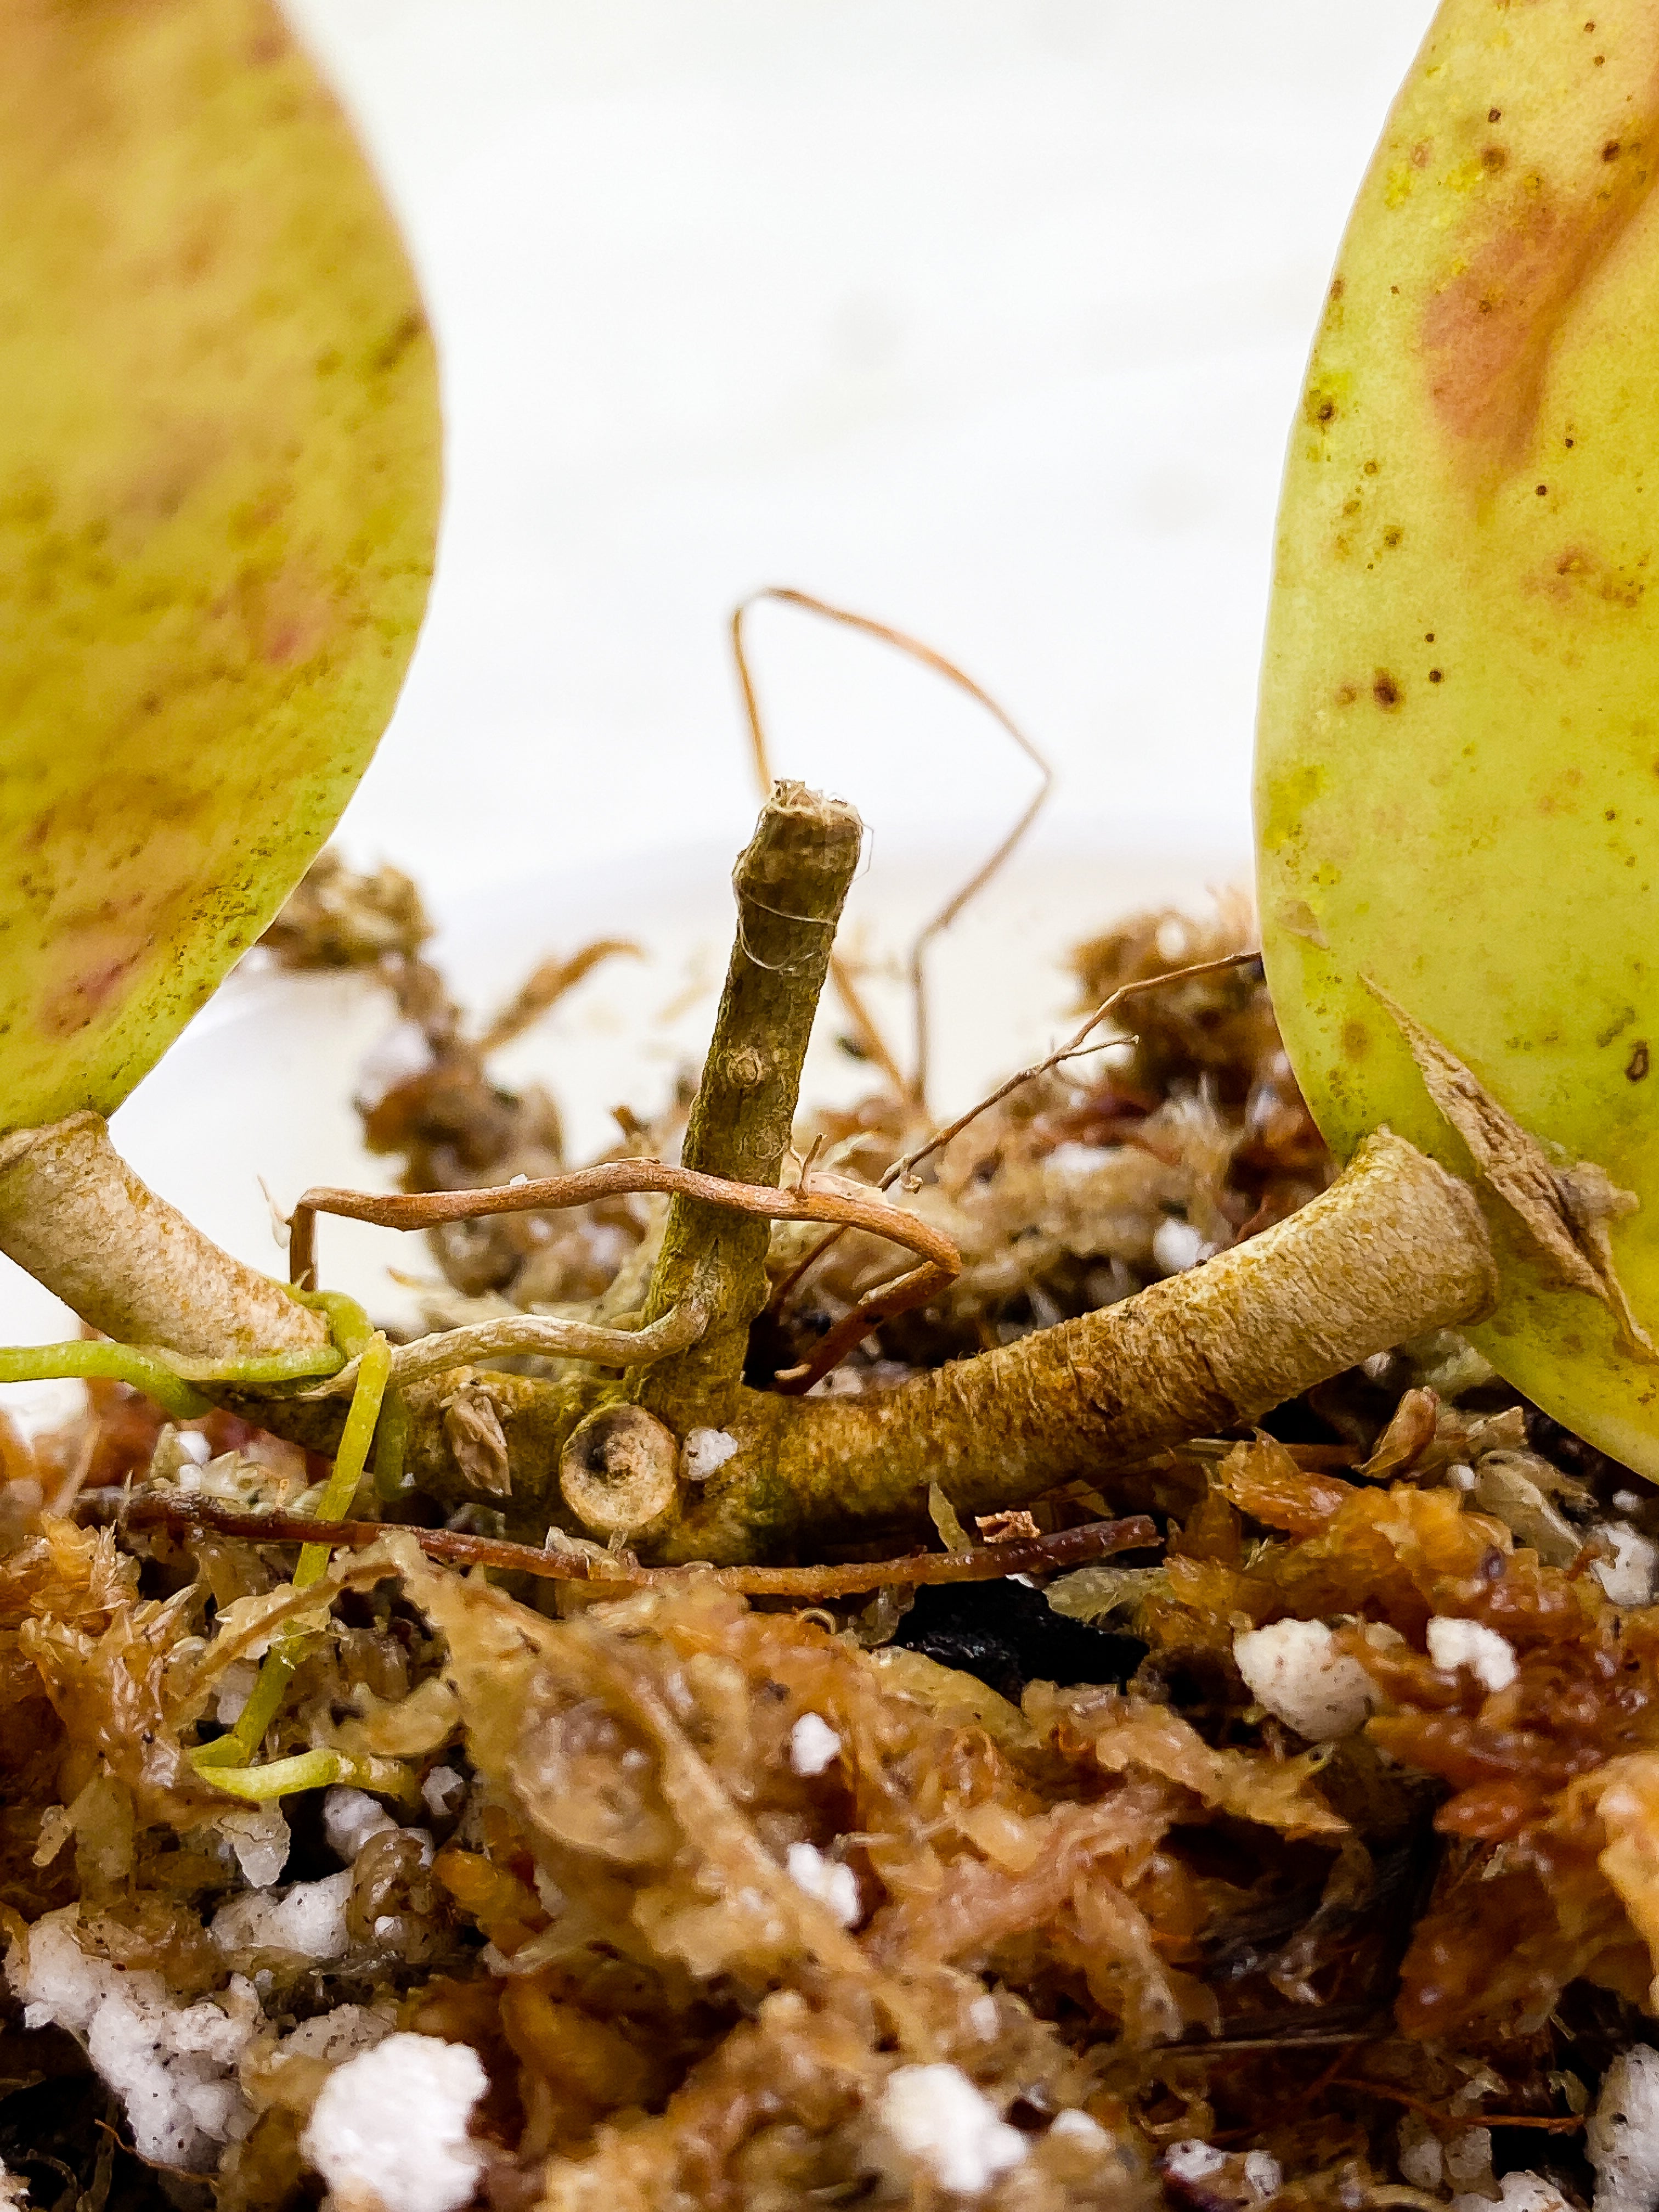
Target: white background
<point>986,317</point>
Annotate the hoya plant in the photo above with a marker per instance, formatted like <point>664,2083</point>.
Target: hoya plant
<point>217,541</point>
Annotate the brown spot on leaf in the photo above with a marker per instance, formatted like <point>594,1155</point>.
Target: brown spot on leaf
<point>398,341</point>
<point>1529,253</point>
<point>76,1003</point>
<point>1636,1067</point>
<point>1356,1039</point>
<point>1384,690</point>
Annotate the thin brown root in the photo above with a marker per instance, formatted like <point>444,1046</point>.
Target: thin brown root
<point>1073,1048</point>
<point>521,1336</point>
<point>557,1562</point>
<point>903,1169</point>
<point>1567,2126</point>
<point>545,986</point>
<point>614,1178</point>
<point>885,1303</point>
<point>872,1043</point>
<point>785,596</point>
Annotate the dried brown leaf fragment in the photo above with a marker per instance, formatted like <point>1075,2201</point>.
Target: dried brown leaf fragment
<point>1563,1211</point>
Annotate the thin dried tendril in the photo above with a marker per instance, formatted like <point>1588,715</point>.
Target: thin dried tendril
<point>805,1201</point>
<point>559,1562</point>
<point>1074,1048</point>
<point>784,595</point>
<point>532,1335</point>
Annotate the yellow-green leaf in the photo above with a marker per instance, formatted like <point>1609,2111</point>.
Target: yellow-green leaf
<point>1458,768</point>
<point>219,476</point>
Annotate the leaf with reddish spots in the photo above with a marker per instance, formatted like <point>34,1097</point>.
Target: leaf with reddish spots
<point>219,474</point>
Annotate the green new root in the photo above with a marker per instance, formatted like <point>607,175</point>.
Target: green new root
<point>177,1381</point>
<point>226,1760</point>
<point>91,1360</point>
<point>313,1770</point>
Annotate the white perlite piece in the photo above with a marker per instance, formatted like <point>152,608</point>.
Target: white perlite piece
<point>831,1883</point>
<point>812,1745</point>
<point>1468,2157</point>
<point>308,1917</point>
<point>391,2125</point>
<point>335,2035</point>
<point>936,2115</point>
<point>258,1835</point>
<point>350,1817</point>
<point>1623,2136</point>
<point>1422,2162</point>
<point>442,1791</point>
<point>1264,2177</point>
<point>1079,2128</point>
<point>1489,1657</point>
<point>1627,1577</point>
<point>1518,2192</point>
<point>1192,2159</point>
<point>1176,1246</point>
<point>705,1452</point>
<point>1293,1670</point>
<point>172,2065</point>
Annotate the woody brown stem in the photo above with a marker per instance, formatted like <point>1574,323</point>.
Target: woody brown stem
<point>1396,1246</point>
<point>790,884</point>
<point>76,1217</point>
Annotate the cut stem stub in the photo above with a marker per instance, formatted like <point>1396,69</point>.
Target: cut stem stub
<point>790,883</point>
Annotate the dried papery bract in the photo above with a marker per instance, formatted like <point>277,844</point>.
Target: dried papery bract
<point>76,1217</point>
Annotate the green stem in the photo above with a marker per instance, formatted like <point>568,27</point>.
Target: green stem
<point>790,883</point>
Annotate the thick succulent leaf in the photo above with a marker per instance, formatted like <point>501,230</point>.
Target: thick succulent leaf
<point>219,460</point>
<point>1458,770</point>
